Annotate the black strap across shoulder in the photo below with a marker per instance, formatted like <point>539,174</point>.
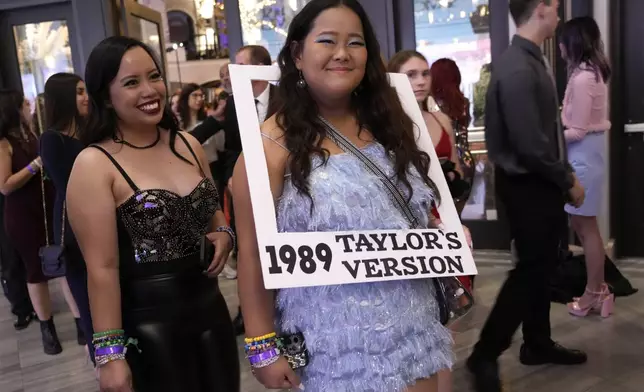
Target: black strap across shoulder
<point>192,152</point>
<point>118,167</point>
<point>395,195</point>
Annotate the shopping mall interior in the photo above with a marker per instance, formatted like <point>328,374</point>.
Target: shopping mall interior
<point>195,38</point>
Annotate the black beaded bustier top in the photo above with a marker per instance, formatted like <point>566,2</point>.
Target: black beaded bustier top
<point>162,225</point>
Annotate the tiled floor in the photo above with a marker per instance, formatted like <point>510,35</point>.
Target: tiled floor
<point>614,347</point>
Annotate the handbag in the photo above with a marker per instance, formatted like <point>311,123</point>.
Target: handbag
<point>293,348</point>
<point>458,187</point>
<point>52,256</point>
<point>454,300</point>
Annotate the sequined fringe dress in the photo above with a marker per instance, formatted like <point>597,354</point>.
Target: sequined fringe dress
<point>377,337</point>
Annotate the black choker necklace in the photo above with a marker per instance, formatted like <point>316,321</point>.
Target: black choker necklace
<point>154,143</point>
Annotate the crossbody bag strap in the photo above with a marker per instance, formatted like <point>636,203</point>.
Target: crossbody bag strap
<point>62,228</point>
<point>44,204</point>
<point>395,194</point>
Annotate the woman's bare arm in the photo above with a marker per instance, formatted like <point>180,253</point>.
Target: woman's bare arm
<point>92,214</point>
<point>10,182</point>
<point>256,302</point>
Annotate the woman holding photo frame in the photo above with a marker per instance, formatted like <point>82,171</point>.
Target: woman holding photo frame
<point>337,109</point>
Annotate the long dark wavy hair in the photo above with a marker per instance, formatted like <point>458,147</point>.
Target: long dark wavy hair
<point>102,67</point>
<point>446,91</point>
<point>61,109</point>
<point>376,104</point>
<point>12,122</point>
<point>184,108</point>
<point>399,59</point>
<point>583,46</point>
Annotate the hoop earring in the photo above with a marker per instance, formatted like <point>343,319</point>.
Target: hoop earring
<point>301,83</point>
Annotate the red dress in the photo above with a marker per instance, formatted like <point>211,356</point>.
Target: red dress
<point>444,151</point>
<point>24,219</point>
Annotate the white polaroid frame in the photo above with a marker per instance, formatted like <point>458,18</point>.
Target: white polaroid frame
<point>331,258</point>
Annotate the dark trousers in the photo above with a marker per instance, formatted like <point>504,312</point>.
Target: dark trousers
<point>14,280</point>
<point>77,280</point>
<point>534,208</point>
<point>13,273</point>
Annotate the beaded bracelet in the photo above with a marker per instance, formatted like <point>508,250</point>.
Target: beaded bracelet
<point>230,232</point>
<point>111,346</point>
<point>111,332</point>
<point>271,335</point>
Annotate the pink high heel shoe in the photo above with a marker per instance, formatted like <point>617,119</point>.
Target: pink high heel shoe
<point>602,304</point>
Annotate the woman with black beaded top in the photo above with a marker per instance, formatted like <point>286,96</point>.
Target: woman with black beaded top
<point>140,200</point>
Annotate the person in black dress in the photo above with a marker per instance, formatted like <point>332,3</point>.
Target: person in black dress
<point>14,281</point>
<point>28,198</point>
<point>140,200</point>
<point>66,104</point>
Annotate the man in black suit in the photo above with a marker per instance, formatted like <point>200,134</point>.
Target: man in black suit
<point>265,105</point>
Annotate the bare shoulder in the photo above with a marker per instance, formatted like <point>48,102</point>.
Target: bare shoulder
<point>91,162</point>
<point>5,145</point>
<point>445,121</point>
<point>272,128</point>
<point>194,143</point>
<point>274,144</point>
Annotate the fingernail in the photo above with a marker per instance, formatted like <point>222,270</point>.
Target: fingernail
<point>300,387</point>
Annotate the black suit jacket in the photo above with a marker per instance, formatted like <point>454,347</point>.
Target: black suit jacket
<point>230,126</point>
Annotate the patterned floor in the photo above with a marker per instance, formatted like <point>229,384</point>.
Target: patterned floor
<point>614,346</point>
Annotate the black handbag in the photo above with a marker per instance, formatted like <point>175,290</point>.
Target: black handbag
<point>457,186</point>
<point>293,348</point>
<point>454,300</point>
<point>52,256</point>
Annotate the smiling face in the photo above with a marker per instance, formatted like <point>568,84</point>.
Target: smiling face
<point>82,100</point>
<point>417,70</point>
<point>137,91</point>
<point>333,56</point>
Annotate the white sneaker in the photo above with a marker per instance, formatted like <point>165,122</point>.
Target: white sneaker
<point>229,272</point>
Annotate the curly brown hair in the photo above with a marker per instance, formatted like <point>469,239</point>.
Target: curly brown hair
<point>375,101</point>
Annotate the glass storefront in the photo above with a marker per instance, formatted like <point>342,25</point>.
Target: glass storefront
<point>42,50</point>
<point>460,30</point>
<point>265,22</point>
<point>148,32</point>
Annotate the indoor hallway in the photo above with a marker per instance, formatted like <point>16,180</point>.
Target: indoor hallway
<point>614,346</point>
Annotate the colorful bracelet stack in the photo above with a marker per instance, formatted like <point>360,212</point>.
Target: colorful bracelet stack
<point>262,350</point>
<point>110,346</point>
<point>230,232</point>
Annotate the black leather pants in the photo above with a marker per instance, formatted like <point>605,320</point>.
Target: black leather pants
<point>186,338</point>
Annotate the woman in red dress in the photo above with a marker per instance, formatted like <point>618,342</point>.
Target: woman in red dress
<point>439,124</point>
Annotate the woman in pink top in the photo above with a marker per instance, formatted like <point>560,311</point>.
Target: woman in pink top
<point>585,118</point>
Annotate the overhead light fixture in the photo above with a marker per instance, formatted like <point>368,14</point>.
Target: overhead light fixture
<point>434,4</point>
<point>206,9</point>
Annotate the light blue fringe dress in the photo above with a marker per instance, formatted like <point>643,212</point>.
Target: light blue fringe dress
<point>377,337</point>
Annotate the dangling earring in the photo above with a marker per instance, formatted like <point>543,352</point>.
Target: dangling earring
<point>301,83</point>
